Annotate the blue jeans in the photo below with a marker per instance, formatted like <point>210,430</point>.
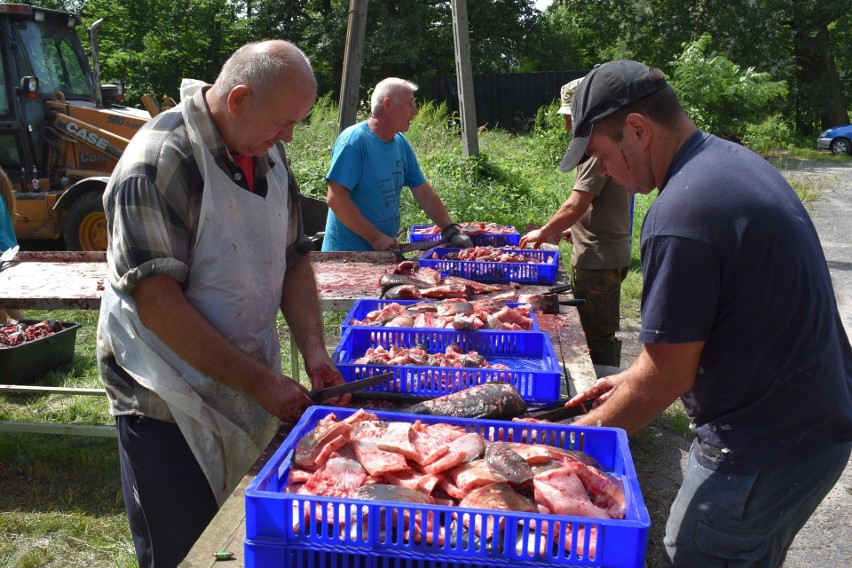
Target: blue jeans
<point>168,499</point>
<point>722,520</point>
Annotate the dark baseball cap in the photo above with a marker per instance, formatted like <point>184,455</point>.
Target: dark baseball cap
<point>606,89</point>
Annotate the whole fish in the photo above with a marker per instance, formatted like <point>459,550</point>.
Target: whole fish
<point>389,281</point>
<point>488,400</point>
<point>404,292</point>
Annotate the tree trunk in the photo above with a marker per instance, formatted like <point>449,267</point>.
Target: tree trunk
<point>819,80</point>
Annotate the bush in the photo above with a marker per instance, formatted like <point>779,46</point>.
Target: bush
<point>771,134</point>
<point>718,95</point>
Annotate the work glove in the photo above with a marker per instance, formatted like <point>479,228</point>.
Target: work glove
<point>453,236</point>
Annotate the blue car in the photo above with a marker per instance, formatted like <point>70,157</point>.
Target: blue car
<point>837,140</point>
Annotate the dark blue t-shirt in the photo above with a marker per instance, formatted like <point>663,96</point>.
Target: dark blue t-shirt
<point>730,257</point>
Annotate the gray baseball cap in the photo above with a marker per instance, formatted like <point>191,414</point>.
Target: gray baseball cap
<point>606,89</point>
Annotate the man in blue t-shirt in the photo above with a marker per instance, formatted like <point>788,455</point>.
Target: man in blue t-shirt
<point>370,164</point>
<point>739,320</point>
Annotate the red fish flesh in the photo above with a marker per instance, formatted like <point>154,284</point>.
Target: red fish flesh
<point>444,464</point>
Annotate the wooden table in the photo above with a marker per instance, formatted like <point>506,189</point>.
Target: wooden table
<point>75,280</point>
<point>54,281</point>
<point>226,532</point>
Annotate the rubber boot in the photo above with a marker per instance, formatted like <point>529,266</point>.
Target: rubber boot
<point>606,354</point>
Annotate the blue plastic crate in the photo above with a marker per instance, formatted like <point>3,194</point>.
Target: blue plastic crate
<point>263,553</point>
<point>483,240</point>
<point>364,306</point>
<point>289,529</point>
<point>543,272</point>
<point>534,369</point>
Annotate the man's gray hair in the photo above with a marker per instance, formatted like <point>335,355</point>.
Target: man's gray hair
<point>389,88</point>
<point>261,66</point>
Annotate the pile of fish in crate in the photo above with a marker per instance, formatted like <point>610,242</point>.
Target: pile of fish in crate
<point>373,502</point>
<point>354,487</point>
<point>494,257</point>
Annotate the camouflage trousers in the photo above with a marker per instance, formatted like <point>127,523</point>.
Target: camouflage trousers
<point>601,315</point>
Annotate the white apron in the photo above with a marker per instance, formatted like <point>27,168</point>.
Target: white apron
<point>236,280</point>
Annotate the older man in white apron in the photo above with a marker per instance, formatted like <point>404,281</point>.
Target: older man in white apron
<point>206,245</point>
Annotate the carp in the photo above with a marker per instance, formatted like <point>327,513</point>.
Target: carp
<point>389,281</point>
<point>488,400</point>
<point>404,292</point>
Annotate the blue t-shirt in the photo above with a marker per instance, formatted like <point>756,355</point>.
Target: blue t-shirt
<point>374,172</point>
<point>7,229</point>
<point>730,257</point>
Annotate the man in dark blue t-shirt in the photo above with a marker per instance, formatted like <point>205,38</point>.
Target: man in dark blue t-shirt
<point>739,320</point>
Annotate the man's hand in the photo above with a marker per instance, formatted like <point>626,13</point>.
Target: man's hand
<point>600,391</point>
<point>384,242</point>
<point>327,375</point>
<point>285,398</point>
<point>537,237</point>
<point>453,236</point>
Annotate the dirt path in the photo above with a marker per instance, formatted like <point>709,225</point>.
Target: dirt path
<point>660,452</point>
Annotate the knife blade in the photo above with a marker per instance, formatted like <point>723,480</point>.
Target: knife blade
<point>319,395</point>
<point>563,412</point>
<point>416,246</point>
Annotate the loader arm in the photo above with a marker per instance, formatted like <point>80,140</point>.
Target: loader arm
<point>99,139</point>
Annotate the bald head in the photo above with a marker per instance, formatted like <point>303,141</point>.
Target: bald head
<point>266,67</point>
<point>263,91</point>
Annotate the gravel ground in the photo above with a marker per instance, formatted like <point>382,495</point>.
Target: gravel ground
<point>660,456</point>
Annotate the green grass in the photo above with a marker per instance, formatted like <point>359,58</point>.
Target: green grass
<point>60,496</point>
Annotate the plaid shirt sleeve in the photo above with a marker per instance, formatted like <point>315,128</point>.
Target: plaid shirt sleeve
<point>152,204</point>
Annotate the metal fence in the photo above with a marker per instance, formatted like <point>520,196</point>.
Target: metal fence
<point>506,100</point>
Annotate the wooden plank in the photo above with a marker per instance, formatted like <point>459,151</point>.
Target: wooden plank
<point>58,429</point>
<point>61,256</point>
<point>53,284</point>
<point>29,389</point>
<point>464,72</point>
<point>353,56</point>
<point>225,534</point>
<point>568,338</point>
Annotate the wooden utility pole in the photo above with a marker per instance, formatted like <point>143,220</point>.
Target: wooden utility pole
<point>464,78</point>
<point>352,58</point>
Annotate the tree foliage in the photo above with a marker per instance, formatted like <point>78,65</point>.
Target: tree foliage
<point>802,42</point>
<point>167,42</point>
<point>717,94</point>
<point>152,44</point>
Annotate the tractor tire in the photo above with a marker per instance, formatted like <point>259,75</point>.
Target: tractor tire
<point>86,226</point>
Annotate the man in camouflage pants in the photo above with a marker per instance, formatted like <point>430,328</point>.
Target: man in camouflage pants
<point>596,219</point>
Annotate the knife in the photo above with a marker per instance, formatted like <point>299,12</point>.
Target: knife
<point>562,412</point>
<point>319,395</point>
<point>416,246</point>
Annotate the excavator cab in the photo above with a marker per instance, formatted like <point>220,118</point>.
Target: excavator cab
<point>61,133</point>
